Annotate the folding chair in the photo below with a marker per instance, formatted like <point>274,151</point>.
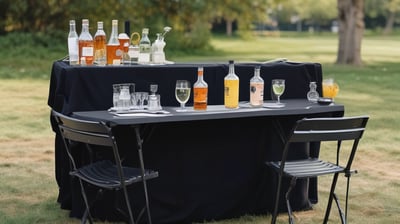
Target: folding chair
<point>319,130</point>
<point>105,174</point>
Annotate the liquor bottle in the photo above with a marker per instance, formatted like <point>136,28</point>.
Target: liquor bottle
<point>231,88</point>
<point>200,91</point>
<point>100,52</point>
<point>86,43</point>
<point>114,51</point>
<point>256,89</point>
<point>144,47</point>
<point>73,44</point>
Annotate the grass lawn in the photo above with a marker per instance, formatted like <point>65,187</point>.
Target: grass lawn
<point>28,190</point>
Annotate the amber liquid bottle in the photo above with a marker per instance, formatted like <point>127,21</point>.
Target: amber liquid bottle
<point>86,45</point>
<point>100,42</point>
<point>114,51</point>
<point>200,92</point>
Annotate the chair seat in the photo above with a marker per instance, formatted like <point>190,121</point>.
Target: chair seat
<point>104,174</point>
<point>307,168</point>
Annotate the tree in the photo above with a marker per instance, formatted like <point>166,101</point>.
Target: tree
<point>393,6</point>
<point>351,29</point>
<point>243,12</point>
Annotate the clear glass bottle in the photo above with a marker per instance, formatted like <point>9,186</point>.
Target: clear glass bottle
<point>114,51</point>
<point>313,95</point>
<point>256,89</point>
<point>144,47</point>
<point>86,44</point>
<point>73,44</point>
<point>100,42</point>
<point>231,88</point>
<point>200,91</point>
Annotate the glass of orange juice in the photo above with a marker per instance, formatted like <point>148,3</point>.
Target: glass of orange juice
<point>329,88</point>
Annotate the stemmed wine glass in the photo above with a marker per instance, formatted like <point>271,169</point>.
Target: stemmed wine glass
<point>182,93</point>
<point>278,87</point>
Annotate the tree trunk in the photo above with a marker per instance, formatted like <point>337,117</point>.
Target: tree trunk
<point>389,23</point>
<point>229,24</point>
<point>351,29</point>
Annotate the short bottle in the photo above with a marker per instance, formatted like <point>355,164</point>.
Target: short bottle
<point>256,89</point>
<point>144,47</point>
<point>86,44</point>
<point>100,42</point>
<point>313,95</point>
<point>73,44</point>
<point>114,51</point>
<point>231,88</point>
<point>200,91</point>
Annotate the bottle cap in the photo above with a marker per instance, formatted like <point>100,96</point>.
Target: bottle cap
<point>85,22</point>
<point>230,61</point>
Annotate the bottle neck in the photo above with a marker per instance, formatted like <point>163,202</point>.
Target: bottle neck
<point>85,28</point>
<point>72,28</point>
<point>114,34</point>
<point>257,72</point>
<point>99,26</point>
<point>114,31</point>
<point>231,68</point>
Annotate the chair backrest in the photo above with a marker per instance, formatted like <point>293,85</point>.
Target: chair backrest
<point>89,132</point>
<point>329,129</point>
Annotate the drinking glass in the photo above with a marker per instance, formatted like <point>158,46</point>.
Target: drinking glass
<point>182,93</point>
<point>278,87</point>
<point>329,88</point>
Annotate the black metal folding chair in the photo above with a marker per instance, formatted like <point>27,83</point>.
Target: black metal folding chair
<point>319,130</point>
<point>105,174</point>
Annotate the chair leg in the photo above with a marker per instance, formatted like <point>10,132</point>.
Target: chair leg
<point>278,192</point>
<point>87,214</point>
<point>140,141</point>
<point>331,197</point>
<point>290,212</point>
<point>128,205</point>
<point>341,214</point>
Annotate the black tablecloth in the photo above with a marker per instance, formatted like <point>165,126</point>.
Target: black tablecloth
<point>208,169</point>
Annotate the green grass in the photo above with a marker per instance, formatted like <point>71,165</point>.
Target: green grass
<point>28,189</point>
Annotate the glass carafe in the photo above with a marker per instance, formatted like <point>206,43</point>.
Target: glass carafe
<point>313,95</point>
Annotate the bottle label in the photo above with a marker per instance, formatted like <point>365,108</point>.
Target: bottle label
<point>231,93</point>
<point>256,94</point>
<point>73,49</point>
<point>87,51</point>
<point>200,98</point>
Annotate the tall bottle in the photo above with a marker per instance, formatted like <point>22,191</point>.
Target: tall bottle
<point>200,91</point>
<point>231,88</point>
<point>86,45</point>
<point>100,42</point>
<point>114,51</point>
<point>73,44</point>
<point>256,89</point>
<point>144,47</point>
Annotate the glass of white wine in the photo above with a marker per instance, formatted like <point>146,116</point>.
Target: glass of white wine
<point>182,93</point>
<point>278,87</point>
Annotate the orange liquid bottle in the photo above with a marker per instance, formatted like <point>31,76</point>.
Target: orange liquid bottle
<point>200,92</point>
<point>86,45</point>
<point>114,51</point>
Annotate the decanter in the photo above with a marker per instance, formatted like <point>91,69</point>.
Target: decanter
<point>313,95</point>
